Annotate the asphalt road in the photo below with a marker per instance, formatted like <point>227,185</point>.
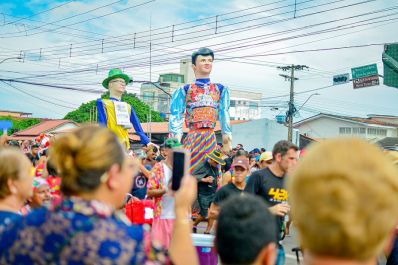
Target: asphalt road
<point>288,243</point>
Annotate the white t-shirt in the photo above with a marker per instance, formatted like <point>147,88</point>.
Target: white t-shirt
<point>167,200</point>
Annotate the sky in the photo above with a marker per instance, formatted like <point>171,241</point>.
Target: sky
<point>73,44</point>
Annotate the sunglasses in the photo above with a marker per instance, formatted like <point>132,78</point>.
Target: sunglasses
<point>154,149</point>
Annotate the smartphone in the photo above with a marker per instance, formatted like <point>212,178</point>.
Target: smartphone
<point>181,160</point>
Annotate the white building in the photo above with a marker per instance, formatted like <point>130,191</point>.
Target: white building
<point>157,95</point>
<point>187,71</point>
<point>260,133</point>
<point>323,126</point>
<point>245,105</point>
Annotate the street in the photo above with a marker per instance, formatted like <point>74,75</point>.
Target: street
<point>289,243</point>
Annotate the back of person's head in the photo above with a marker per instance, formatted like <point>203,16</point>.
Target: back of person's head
<point>52,171</point>
<point>3,140</point>
<point>282,147</point>
<point>245,228</point>
<point>242,152</point>
<point>14,166</point>
<point>83,156</point>
<point>344,196</point>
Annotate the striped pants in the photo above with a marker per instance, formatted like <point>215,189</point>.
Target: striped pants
<point>199,143</point>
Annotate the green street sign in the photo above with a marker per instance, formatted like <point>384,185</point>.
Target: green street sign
<point>364,71</point>
<point>390,63</point>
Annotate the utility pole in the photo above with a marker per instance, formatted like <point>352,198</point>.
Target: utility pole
<point>292,109</point>
<point>150,123</point>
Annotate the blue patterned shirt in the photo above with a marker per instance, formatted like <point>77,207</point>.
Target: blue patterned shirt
<point>75,231</point>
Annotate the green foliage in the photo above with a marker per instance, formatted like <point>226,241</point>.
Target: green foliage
<point>88,110</point>
<point>84,113</point>
<point>19,123</point>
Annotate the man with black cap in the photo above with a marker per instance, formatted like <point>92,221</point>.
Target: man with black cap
<point>116,114</point>
<point>202,104</point>
<point>207,174</point>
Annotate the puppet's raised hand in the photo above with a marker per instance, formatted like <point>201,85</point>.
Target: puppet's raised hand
<point>227,143</point>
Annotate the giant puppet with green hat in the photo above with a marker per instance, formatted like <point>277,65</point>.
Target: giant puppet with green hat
<point>115,114</point>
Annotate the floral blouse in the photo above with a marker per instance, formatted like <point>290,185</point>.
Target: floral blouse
<point>7,219</point>
<point>77,231</point>
<point>156,182</point>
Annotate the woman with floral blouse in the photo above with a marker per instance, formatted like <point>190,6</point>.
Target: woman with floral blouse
<point>85,227</point>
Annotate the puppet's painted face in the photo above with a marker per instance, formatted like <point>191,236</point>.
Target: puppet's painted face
<point>117,85</point>
<point>203,66</point>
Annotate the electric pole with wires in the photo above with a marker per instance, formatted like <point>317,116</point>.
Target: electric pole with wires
<point>292,109</point>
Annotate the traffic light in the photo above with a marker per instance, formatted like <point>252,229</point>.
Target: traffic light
<point>390,62</point>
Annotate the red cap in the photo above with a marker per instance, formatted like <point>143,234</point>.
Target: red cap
<point>241,163</point>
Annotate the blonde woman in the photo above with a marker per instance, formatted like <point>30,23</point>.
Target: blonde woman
<point>16,185</point>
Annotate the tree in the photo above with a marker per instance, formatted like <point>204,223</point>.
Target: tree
<point>87,111</point>
<point>19,123</point>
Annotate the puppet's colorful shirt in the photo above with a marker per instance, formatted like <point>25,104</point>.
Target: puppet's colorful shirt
<point>202,104</point>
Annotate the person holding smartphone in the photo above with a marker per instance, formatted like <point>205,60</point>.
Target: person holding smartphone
<point>159,188</point>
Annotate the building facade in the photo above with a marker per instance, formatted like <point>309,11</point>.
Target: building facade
<point>158,95</point>
<point>244,105</point>
<point>323,126</point>
<point>16,114</point>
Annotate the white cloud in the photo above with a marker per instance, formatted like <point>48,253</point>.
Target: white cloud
<point>342,99</point>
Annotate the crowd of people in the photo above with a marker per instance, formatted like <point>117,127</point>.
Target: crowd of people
<point>64,202</point>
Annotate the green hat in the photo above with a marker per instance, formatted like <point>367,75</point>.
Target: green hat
<point>172,143</point>
<point>115,73</point>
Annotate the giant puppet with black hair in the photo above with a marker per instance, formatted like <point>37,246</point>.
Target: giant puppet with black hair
<point>201,104</point>
<point>116,114</point>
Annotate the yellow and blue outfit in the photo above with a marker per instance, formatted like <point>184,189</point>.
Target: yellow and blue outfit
<point>107,117</point>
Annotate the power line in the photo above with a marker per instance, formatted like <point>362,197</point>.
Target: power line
<point>47,101</point>
<point>89,11</point>
<point>177,57</point>
<point>79,22</point>
<point>169,26</point>
<point>63,33</point>
<point>310,42</point>
<point>245,29</point>
<point>51,86</point>
<point>41,12</point>
<point>31,102</point>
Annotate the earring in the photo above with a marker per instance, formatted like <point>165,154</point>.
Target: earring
<point>13,189</point>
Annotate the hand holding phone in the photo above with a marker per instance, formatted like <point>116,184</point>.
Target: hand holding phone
<point>181,160</point>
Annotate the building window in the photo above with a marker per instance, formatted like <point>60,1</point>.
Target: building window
<point>232,103</point>
<point>358,130</point>
<point>345,130</point>
<point>377,131</point>
<point>253,105</point>
<point>148,96</point>
<point>372,131</point>
<point>382,132</point>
